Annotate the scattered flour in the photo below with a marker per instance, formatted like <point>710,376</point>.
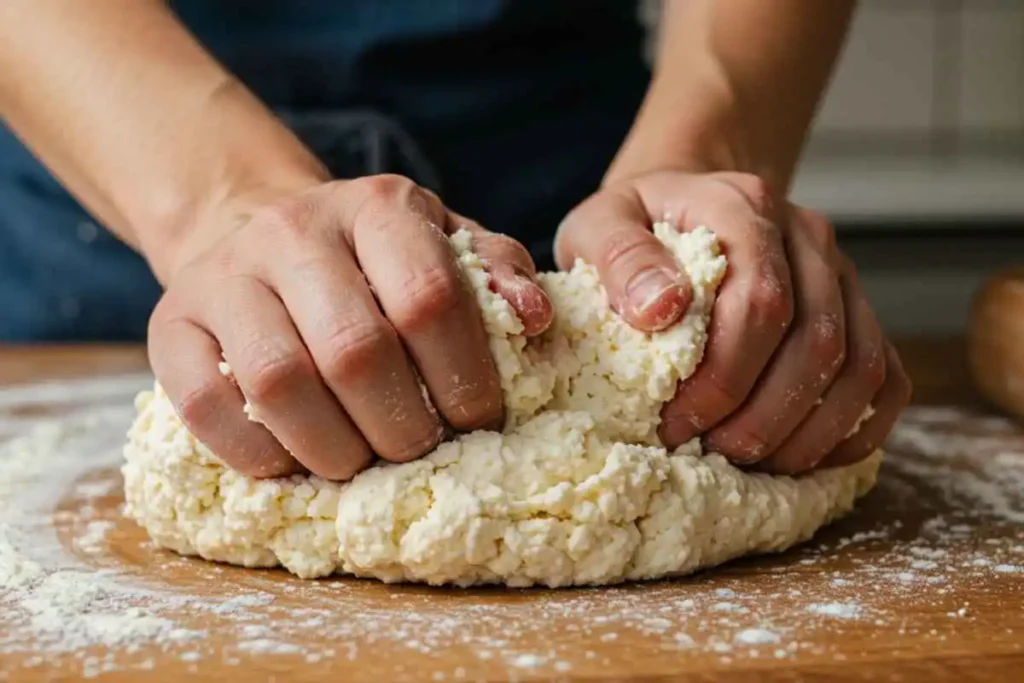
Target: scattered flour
<point>836,609</point>
<point>528,660</point>
<point>757,636</point>
<point>74,603</point>
<point>96,532</point>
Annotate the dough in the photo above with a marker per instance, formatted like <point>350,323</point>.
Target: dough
<point>576,490</point>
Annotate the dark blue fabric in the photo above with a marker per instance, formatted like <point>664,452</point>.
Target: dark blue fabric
<point>511,108</point>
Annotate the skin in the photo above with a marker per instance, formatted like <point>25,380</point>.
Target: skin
<point>336,295</point>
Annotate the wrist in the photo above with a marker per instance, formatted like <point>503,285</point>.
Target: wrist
<point>222,177</point>
<point>220,214</point>
<point>699,127</point>
<point>177,238</point>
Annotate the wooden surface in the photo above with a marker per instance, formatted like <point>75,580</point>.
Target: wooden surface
<point>996,340</point>
<point>925,582</point>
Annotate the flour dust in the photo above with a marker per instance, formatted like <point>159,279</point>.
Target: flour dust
<point>946,522</point>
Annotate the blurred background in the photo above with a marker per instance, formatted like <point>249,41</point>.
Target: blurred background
<point>918,154</point>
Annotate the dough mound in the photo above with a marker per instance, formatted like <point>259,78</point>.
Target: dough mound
<point>576,490</point>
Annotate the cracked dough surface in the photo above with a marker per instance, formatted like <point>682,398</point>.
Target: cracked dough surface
<point>576,489</point>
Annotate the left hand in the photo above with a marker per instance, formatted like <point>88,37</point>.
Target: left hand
<point>794,356</point>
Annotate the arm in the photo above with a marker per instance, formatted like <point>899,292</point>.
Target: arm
<point>138,121</point>
<point>735,87</point>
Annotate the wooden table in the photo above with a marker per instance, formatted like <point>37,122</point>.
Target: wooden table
<point>925,582</point>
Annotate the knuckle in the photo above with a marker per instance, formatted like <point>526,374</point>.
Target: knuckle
<point>414,448</point>
<point>723,395</point>
<point>793,463</point>
<point>869,364</point>
<point>197,403</point>
<point>475,405</point>
<point>626,249</point>
<point>745,445</point>
<point>269,464</point>
<point>387,187</point>
<point>351,350</point>
<point>433,293</point>
<point>771,302</point>
<point>826,342</point>
<point>272,376</point>
<point>357,459</point>
<point>173,310</point>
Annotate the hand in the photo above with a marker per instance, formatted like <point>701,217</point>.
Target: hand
<point>794,356</point>
<point>330,305</point>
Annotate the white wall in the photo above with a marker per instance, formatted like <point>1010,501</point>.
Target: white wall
<point>925,116</point>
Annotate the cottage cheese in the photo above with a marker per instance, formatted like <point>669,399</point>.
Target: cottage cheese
<point>575,490</point>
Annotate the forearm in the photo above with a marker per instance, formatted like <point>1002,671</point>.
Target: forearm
<point>736,85</point>
<point>137,120</point>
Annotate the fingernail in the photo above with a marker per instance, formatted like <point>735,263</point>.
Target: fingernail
<point>533,305</point>
<point>527,297</point>
<point>649,287</point>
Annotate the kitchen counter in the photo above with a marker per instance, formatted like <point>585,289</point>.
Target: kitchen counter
<point>924,582</point>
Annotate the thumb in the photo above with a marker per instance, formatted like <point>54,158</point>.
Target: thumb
<point>645,284</point>
<point>513,274</point>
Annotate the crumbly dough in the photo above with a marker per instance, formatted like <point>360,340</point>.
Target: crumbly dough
<point>576,489</point>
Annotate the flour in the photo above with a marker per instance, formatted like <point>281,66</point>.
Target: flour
<point>96,532</point>
<point>835,609</point>
<point>524,661</point>
<point>757,636</point>
<point>994,481</point>
<point>60,607</point>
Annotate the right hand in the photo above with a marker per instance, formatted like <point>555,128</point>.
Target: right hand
<point>330,305</point>
<point>794,354</point>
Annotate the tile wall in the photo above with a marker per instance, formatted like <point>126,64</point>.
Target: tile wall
<point>925,116</point>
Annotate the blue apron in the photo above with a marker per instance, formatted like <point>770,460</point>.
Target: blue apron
<point>510,109</point>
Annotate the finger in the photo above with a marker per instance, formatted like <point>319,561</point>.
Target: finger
<point>803,366</point>
<point>843,404</point>
<point>278,377</point>
<point>751,315</point>
<point>612,231</point>
<point>186,359</point>
<point>408,260</point>
<point>888,404</point>
<point>358,354</point>
<point>512,274</point>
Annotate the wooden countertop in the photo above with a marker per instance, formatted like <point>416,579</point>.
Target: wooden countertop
<point>925,582</point>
